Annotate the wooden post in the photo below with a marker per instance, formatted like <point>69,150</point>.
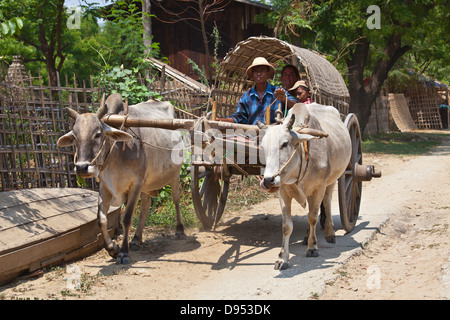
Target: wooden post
<point>162,79</point>
<point>214,111</point>
<point>268,115</point>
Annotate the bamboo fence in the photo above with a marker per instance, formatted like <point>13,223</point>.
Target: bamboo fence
<point>33,117</point>
<point>423,103</point>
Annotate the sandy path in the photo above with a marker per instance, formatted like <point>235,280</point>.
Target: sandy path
<point>408,259</point>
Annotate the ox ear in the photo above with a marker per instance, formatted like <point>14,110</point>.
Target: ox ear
<point>66,140</point>
<point>301,137</point>
<point>116,135</point>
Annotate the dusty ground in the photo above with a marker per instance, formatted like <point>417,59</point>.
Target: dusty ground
<point>407,257</point>
<point>410,257</point>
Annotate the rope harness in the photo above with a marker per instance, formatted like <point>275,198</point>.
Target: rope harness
<point>101,149</point>
<point>305,148</point>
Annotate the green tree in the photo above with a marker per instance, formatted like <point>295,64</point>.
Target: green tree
<point>9,27</point>
<point>44,30</point>
<point>366,42</point>
<point>49,41</point>
<point>82,56</point>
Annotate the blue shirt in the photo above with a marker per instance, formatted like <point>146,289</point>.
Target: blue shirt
<point>251,108</point>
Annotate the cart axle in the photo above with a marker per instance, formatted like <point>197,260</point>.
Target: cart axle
<point>366,173</point>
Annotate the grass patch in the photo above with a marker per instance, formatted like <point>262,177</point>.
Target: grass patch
<point>162,213</point>
<point>245,192</point>
<point>402,143</point>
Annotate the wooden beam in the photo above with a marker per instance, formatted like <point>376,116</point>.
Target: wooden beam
<point>173,124</point>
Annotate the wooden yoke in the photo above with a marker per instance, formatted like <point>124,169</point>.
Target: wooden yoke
<point>116,120</point>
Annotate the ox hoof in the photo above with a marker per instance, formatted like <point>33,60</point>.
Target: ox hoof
<point>312,253</point>
<point>123,258</point>
<point>179,232</point>
<point>114,251</point>
<point>281,265</point>
<point>135,244</point>
<point>331,239</point>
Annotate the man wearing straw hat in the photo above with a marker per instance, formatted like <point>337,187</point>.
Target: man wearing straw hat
<point>254,102</point>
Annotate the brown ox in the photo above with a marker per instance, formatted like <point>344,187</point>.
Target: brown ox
<point>128,170</point>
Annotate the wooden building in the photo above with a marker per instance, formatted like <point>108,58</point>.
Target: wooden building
<point>176,27</point>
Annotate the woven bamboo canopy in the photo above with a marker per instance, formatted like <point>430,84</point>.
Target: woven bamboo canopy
<point>326,83</point>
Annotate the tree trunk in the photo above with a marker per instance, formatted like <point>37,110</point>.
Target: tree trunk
<point>363,96</point>
<point>205,39</point>
<point>51,70</point>
<point>358,96</point>
<point>147,24</point>
<point>52,49</point>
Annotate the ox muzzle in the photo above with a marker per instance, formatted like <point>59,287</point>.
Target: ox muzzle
<point>268,184</point>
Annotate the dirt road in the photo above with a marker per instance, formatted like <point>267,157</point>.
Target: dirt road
<point>405,214</point>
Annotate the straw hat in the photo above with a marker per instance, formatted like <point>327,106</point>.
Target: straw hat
<point>260,61</point>
<point>300,83</point>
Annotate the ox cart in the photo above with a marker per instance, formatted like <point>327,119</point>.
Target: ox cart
<point>218,152</point>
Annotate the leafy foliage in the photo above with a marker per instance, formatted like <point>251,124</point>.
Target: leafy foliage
<point>125,82</point>
<point>45,40</point>
<point>123,32</point>
<point>335,28</point>
<point>415,32</point>
<point>11,26</point>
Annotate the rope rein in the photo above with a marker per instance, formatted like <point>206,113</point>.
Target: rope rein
<point>305,147</point>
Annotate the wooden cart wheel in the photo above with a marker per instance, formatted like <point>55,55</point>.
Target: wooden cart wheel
<point>349,187</point>
<point>209,187</point>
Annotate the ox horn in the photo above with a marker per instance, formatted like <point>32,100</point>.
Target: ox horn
<point>290,122</point>
<point>261,125</point>
<point>103,109</point>
<point>313,132</point>
<point>72,113</point>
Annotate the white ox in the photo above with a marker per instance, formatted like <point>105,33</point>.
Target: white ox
<point>305,168</point>
<point>127,170</point>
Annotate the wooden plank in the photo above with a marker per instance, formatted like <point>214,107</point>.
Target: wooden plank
<point>28,256</point>
<point>23,235</point>
<point>178,76</point>
<point>42,209</point>
<point>52,226</point>
<point>29,216</point>
<point>11,198</point>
